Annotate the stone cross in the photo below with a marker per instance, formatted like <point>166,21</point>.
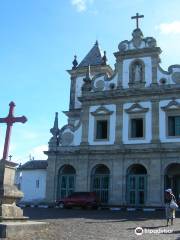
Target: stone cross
<point>137,19</point>
<point>10,120</point>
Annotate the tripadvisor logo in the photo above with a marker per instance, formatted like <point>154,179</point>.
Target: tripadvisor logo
<point>138,231</point>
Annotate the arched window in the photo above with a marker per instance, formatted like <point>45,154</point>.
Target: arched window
<point>100,182</point>
<point>136,184</point>
<point>66,181</point>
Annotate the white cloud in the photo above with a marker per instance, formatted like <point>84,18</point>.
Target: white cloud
<point>38,152</point>
<point>169,28</point>
<point>81,5</point>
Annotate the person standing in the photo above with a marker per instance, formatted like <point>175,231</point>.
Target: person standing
<point>170,212</point>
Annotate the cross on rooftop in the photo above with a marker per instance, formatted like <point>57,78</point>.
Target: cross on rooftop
<point>137,19</point>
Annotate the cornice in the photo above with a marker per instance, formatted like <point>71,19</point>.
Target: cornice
<point>73,112</point>
<point>138,52</point>
<point>94,69</point>
<point>131,92</point>
<point>126,149</point>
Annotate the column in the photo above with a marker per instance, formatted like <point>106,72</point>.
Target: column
<point>119,65</point>
<point>117,180</point>
<point>154,186</point>
<point>155,121</point>
<point>50,179</point>
<point>119,124</point>
<point>155,60</point>
<point>85,124</point>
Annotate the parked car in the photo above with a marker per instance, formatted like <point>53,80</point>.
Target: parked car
<point>80,199</point>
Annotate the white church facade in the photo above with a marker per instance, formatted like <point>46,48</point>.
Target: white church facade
<point>122,139</point>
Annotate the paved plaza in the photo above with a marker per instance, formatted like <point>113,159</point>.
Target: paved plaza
<point>77,224</point>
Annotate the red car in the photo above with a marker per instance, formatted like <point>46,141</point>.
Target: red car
<point>80,199</point>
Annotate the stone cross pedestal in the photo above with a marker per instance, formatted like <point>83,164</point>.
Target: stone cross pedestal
<point>9,193</point>
<point>12,222</point>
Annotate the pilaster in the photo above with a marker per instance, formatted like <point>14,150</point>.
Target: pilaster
<point>154,70</point>
<point>154,184</point>
<point>50,179</point>
<point>119,124</point>
<point>119,72</point>
<point>155,121</point>
<point>85,124</point>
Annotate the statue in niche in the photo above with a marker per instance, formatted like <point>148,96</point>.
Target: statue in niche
<point>137,72</point>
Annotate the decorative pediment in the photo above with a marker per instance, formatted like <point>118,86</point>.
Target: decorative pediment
<point>101,111</point>
<point>171,106</point>
<point>136,108</point>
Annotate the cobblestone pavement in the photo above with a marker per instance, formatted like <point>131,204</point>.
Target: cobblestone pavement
<point>77,224</point>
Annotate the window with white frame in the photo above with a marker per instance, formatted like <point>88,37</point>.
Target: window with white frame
<point>137,121</point>
<point>174,126</point>
<point>136,127</point>
<point>102,129</point>
<point>101,123</point>
<point>172,118</point>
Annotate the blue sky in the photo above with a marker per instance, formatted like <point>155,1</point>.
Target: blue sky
<point>38,39</point>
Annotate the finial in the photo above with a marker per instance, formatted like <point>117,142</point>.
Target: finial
<point>31,158</point>
<point>12,104</point>
<point>87,80</point>
<point>75,62</point>
<point>88,73</point>
<point>104,58</point>
<point>96,43</point>
<point>55,129</point>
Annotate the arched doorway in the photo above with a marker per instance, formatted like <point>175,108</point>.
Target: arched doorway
<point>100,182</point>
<point>66,181</point>
<point>136,185</point>
<point>172,178</point>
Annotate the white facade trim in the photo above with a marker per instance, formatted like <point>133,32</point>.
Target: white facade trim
<point>162,123</point>
<point>148,124</point>
<point>112,125</point>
